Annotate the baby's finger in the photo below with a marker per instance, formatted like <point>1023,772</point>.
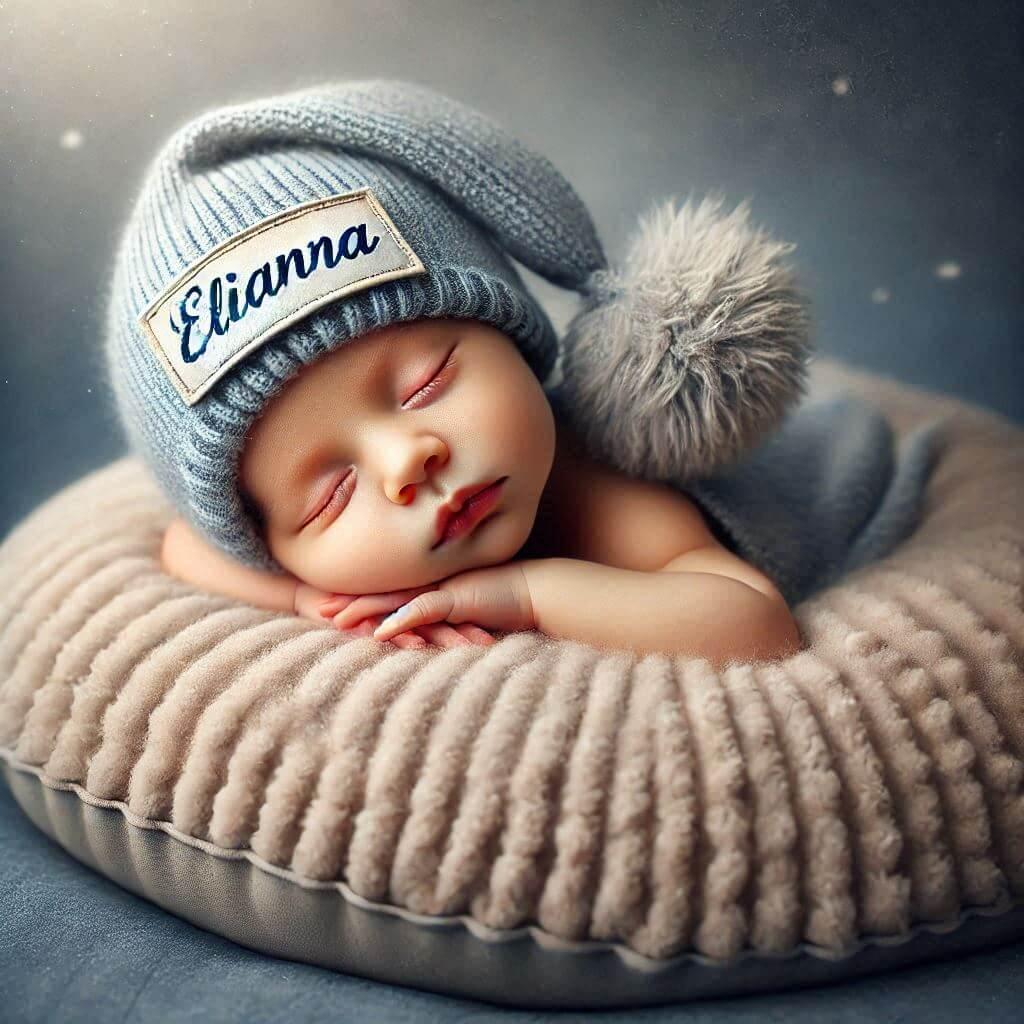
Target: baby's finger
<point>360,608</point>
<point>474,633</point>
<point>407,639</point>
<point>363,608</point>
<point>443,634</point>
<point>410,640</point>
<point>330,606</point>
<point>374,604</point>
<point>364,628</point>
<point>409,616</point>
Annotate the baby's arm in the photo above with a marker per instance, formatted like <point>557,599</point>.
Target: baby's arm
<point>707,603</point>
<point>714,606</point>
<point>186,556</point>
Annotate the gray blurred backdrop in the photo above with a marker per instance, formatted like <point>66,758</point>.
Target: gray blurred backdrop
<point>880,139</point>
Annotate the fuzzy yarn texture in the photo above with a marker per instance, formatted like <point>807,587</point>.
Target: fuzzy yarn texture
<point>871,781</point>
<point>693,351</point>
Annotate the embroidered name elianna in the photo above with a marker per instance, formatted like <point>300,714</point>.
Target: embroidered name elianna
<point>261,284</point>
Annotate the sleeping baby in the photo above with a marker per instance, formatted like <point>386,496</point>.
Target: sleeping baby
<point>336,375</point>
<point>421,467</point>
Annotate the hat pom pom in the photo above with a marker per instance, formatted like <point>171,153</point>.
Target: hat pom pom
<point>690,354</point>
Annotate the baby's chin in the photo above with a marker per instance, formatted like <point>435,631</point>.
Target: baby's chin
<point>388,582</point>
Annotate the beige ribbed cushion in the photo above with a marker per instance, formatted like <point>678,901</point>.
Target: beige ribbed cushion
<point>864,786</point>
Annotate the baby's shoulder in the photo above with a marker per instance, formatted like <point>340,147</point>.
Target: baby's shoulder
<point>614,519</point>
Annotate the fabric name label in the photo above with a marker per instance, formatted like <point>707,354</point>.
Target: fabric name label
<point>266,277</point>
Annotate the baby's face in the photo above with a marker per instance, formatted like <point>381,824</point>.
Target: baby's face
<point>351,461</point>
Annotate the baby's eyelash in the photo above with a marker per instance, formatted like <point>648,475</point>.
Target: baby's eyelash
<point>429,387</point>
<point>330,500</point>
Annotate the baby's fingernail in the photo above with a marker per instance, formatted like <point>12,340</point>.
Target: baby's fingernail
<point>396,616</point>
<point>388,624</point>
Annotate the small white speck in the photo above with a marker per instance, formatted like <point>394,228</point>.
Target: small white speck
<point>948,270</point>
<point>71,139</point>
<point>880,295</point>
<point>841,85</point>
<point>88,391</point>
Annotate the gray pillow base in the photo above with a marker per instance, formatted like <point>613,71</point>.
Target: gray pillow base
<point>273,911</point>
<point>78,947</point>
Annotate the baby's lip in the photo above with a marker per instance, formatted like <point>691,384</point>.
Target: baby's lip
<point>454,505</point>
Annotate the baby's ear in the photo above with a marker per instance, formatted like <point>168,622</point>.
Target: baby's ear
<point>693,352</point>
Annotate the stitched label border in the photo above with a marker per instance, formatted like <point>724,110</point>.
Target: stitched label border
<point>264,278</point>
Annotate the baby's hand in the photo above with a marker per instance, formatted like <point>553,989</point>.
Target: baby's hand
<point>496,596</point>
<point>323,605</point>
<point>308,600</point>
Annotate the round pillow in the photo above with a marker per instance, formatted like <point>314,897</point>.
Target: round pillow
<point>539,823</point>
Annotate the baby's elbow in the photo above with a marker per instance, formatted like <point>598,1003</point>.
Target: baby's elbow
<point>769,635</point>
<point>782,637</point>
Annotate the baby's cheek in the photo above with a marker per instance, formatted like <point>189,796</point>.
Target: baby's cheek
<point>509,432</point>
<point>378,569</point>
<point>492,415</point>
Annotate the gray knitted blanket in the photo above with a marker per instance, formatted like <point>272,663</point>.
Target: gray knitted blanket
<point>870,782</point>
<point>829,491</point>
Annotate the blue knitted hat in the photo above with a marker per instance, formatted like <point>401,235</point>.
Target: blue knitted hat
<point>270,232</point>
